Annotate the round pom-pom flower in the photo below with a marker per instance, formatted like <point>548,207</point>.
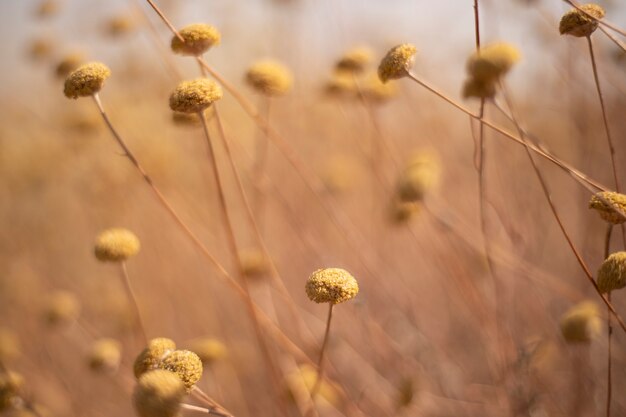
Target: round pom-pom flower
<point>397,62</point>
<point>86,80</point>
<point>581,323</point>
<point>158,393</point>
<point>610,205</point>
<point>269,77</point>
<point>68,64</point>
<point>331,285</point>
<point>209,350</point>
<point>579,24</point>
<point>478,88</point>
<point>612,272</point>
<point>492,62</point>
<point>11,384</point>
<point>116,245</point>
<point>62,307</point>
<point>253,263</point>
<point>105,355</point>
<point>355,60</point>
<point>421,175</point>
<point>186,364</point>
<point>198,38</point>
<point>195,96</point>
<point>152,355</point>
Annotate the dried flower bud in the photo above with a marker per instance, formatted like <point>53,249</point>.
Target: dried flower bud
<point>47,8</point>
<point>11,384</point>
<point>492,62</point>
<point>355,60</point>
<point>120,25</point>
<point>69,63</point>
<point>612,272</point>
<point>397,62</point>
<point>198,38</point>
<point>300,383</point>
<point>62,307</point>
<point>331,285</point>
<point>478,88</point>
<point>577,23</point>
<point>581,323</point>
<point>269,77</point>
<point>421,175</point>
<point>253,264</point>
<point>41,48</point>
<point>376,91</point>
<point>152,355</point>
<point>610,205</point>
<point>186,364</point>
<point>209,350</point>
<point>116,245</point>
<point>195,96</point>
<point>105,355</point>
<point>341,84</point>
<point>86,80</point>
<point>402,211</point>
<point>158,394</point>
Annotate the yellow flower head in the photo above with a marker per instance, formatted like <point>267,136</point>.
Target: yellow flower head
<point>151,356</point>
<point>478,88</point>
<point>195,96</point>
<point>269,77</point>
<point>116,245</point>
<point>397,62</point>
<point>421,175</point>
<point>581,323</point>
<point>610,205</point>
<point>105,355</point>
<point>341,84</point>
<point>62,307</point>
<point>331,285</point>
<point>253,263</point>
<point>492,62</point>
<point>612,272</point>
<point>198,38</point>
<point>209,350</point>
<point>68,64</point>
<point>11,384</point>
<point>377,91</point>
<point>355,60</point>
<point>158,393</point>
<point>577,23</point>
<point>86,80</point>
<point>186,364</point>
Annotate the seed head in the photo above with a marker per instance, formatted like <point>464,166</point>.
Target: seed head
<point>253,263</point>
<point>195,96</point>
<point>300,383</point>
<point>151,356</point>
<point>269,77</point>
<point>610,205</point>
<point>198,38</point>
<point>186,364</point>
<point>341,84</point>
<point>492,62</point>
<point>577,23</point>
<point>158,394</point>
<point>209,350</point>
<point>479,88</point>
<point>41,48</point>
<point>377,91</point>
<point>68,64</point>
<point>397,62</point>
<point>120,25</point>
<point>355,60</point>
<point>116,245</point>
<point>11,384</point>
<point>612,272</point>
<point>62,307</point>
<point>581,323</point>
<point>105,355</point>
<point>402,211</point>
<point>86,80</point>
<point>331,285</point>
<point>421,175</point>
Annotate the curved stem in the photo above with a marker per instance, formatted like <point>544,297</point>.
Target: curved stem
<point>609,387</point>
<point>133,301</point>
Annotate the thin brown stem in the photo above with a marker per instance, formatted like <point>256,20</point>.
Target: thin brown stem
<point>232,244</point>
<point>260,167</point>
<point>609,382</point>
<point>616,41</point>
<point>133,301</point>
<point>320,363</point>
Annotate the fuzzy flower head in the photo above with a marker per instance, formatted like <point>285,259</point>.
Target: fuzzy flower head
<point>209,350</point>
<point>116,245</point>
<point>376,91</point>
<point>341,85</point>
<point>355,60</point>
<point>579,24</point>
<point>581,323</point>
<point>492,62</point>
<point>397,62</point>
<point>62,307</point>
<point>300,383</point>
<point>152,355</point>
<point>198,38</point>
<point>86,80</point>
<point>400,212</point>
<point>474,88</point>
<point>105,355</point>
<point>253,263</point>
<point>420,176</point>
<point>186,364</point>
<point>610,205</point>
<point>195,96</point>
<point>120,25</point>
<point>11,384</point>
<point>331,285</point>
<point>269,77</point>
<point>612,272</point>
<point>158,394</point>
<point>69,63</point>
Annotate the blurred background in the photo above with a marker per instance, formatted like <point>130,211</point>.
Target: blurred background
<point>434,331</point>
